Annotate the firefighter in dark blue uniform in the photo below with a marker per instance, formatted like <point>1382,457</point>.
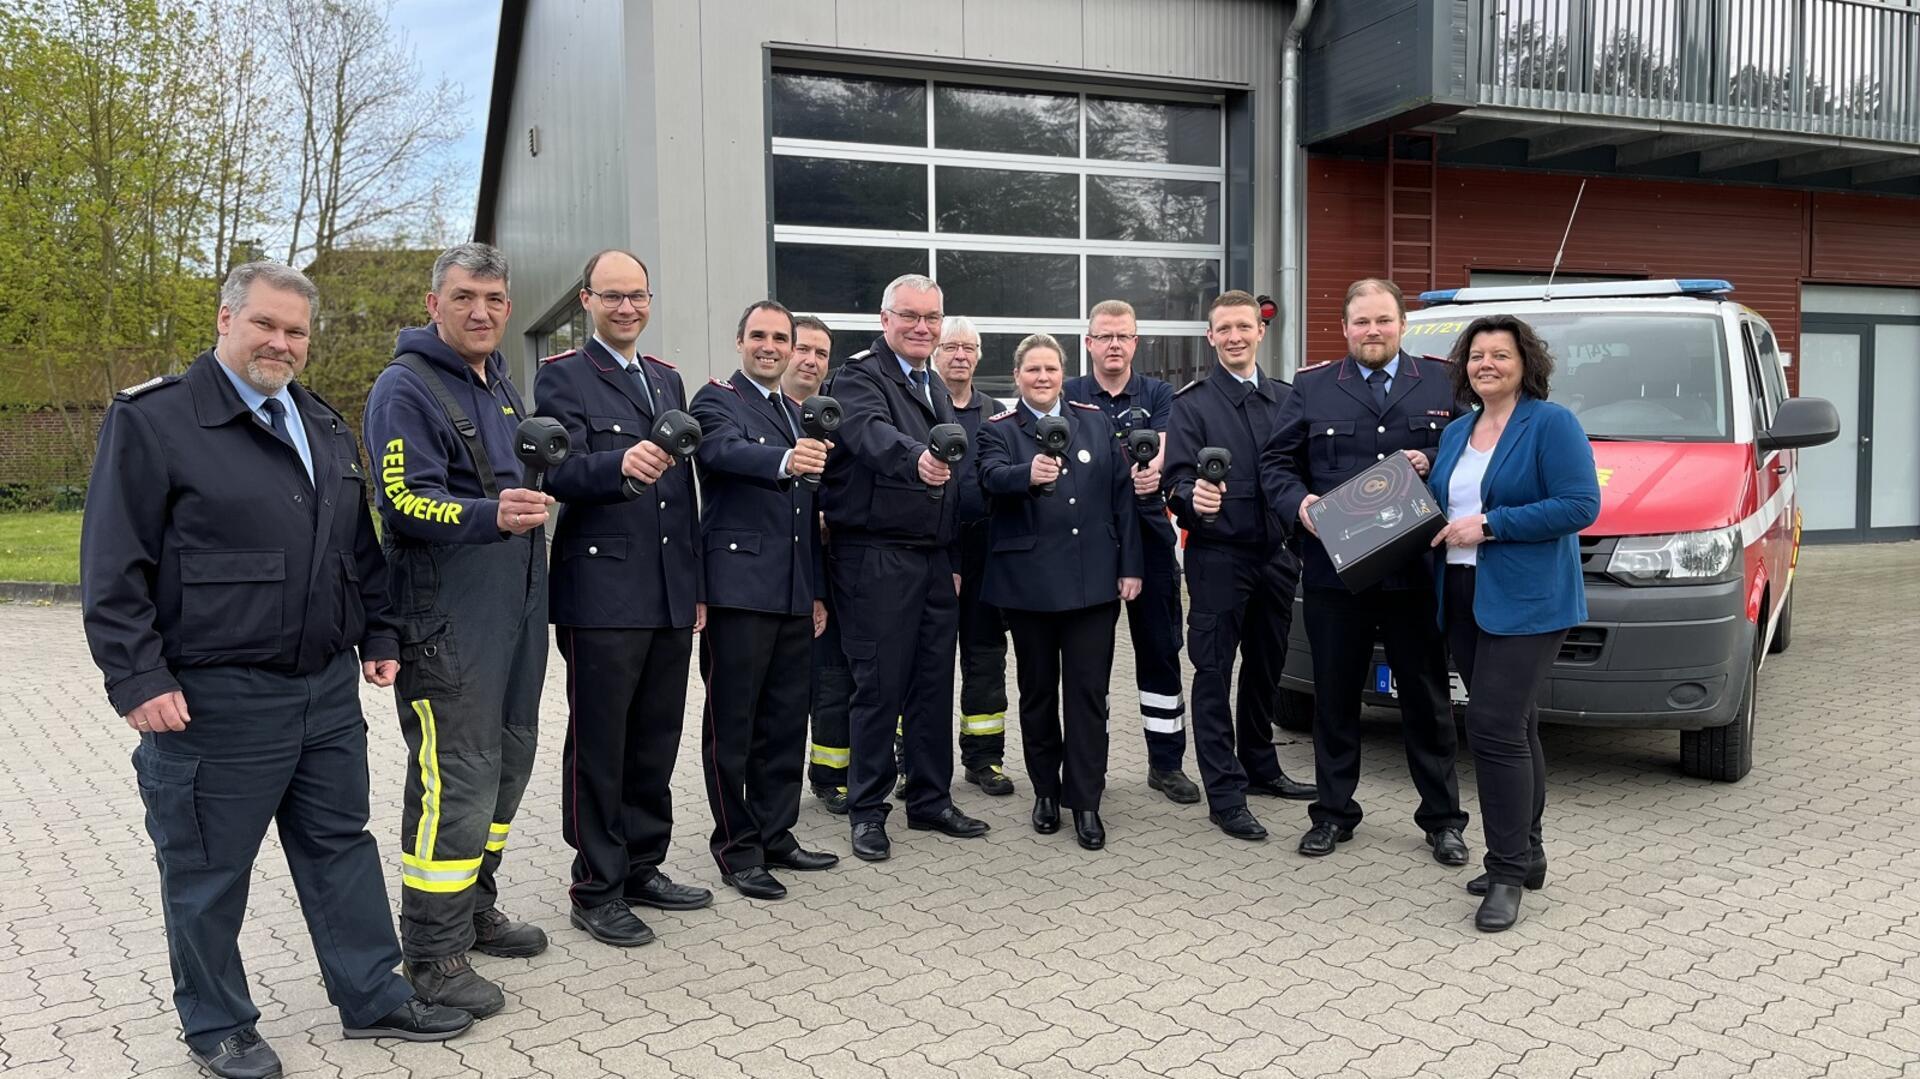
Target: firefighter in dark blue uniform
<point>1062,561</point>
<point>628,596</point>
<point>1240,574</point>
<point>893,572</point>
<point>229,569</point>
<point>763,607</point>
<point>983,633</point>
<point>1342,418</point>
<point>465,542</point>
<point>1132,400</point>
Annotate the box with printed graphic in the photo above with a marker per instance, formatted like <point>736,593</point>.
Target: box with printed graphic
<point>1376,522</point>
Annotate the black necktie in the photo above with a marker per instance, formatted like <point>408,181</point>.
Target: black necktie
<point>1377,379</point>
<point>638,376</point>
<point>919,380</point>
<point>277,421</point>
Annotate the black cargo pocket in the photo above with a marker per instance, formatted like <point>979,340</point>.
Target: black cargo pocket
<point>230,602</point>
<point>169,787</point>
<point>428,666</point>
<point>733,541</point>
<point>614,432</point>
<point>1326,438</point>
<point>858,649</point>
<point>1203,631</point>
<point>900,508</point>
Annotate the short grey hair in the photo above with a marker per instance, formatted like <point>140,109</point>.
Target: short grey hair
<point>913,281</point>
<point>954,325</point>
<point>483,261</point>
<point>239,282</point>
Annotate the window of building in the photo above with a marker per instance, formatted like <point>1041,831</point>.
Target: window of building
<point>1028,203</point>
<point>568,327</point>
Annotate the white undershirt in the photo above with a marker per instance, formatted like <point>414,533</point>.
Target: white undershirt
<point>1463,498</point>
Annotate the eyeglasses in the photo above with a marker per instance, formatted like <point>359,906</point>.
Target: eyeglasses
<point>1105,339</point>
<point>613,300</point>
<point>931,321</point>
<point>965,350</point>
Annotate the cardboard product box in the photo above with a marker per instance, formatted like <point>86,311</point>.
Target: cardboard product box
<point>1377,522</point>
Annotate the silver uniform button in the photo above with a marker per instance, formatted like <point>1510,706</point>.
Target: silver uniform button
<point>1329,430</point>
<point>593,550</point>
<point>1382,430</point>
<point>663,539</point>
<point>733,546</point>
<point>1071,501</point>
<point>663,505</point>
<point>616,428</point>
<point>1076,531</point>
<point>1379,456</point>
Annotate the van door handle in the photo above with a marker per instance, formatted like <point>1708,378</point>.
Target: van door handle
<point>1780,469</point>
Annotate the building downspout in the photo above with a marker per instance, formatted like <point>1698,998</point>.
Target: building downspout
<point>1293,223</point>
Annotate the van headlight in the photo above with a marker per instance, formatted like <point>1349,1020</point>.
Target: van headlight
<point>1677,558</point>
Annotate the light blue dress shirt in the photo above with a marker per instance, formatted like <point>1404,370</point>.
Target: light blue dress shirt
<point>255,400</point>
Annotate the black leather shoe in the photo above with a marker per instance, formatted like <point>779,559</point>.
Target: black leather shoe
<point>1449,846</point>
<point>1284,787</point>
<point>1320,839</point>
<point>991,780</point>
<point>832,799</point>
<point>1088,830</point>
<point>661,893</point>
<point>755,882</point>
<point>870,843</point>
<point>1046,815</point>
<point>1239,823</point>
<point>496,934</point>
<point>243,1055</point>
<point>1499,910</point>
<point>451,982</point>
<point>806,861</point>
<point>611,923</point>
<point>1536,879</point>
<point>1174,784</point>
<point>415,1021</point>
<point>950,821</point>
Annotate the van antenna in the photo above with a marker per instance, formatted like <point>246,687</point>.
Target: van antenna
<point>1548,294</point>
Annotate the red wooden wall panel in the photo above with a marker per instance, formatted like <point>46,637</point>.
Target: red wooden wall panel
<point>1864,239</point>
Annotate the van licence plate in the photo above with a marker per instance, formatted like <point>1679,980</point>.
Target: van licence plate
<point>1383,682</point>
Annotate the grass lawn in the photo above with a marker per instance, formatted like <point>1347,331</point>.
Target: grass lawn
<point>40,547</point>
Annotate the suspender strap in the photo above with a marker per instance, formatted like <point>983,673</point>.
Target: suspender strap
<point>462,425</point>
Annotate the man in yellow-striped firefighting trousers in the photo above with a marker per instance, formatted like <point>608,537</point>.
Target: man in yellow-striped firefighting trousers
<point>465,542</point>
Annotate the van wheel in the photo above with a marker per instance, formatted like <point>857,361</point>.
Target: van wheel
<point>1783,629</point>
<point>1295,712</point>
<point>1725,753</point>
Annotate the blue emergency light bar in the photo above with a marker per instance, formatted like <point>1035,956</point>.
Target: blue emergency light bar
<point>1704,287</point>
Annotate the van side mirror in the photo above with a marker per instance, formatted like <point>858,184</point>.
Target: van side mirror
<point>1801,422</point>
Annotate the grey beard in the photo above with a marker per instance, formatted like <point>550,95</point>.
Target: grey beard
<point>270,381</point>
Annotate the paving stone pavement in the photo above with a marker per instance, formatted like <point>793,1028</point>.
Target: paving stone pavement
<point>1767,928</point>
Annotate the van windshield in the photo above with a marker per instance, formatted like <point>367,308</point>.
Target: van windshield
<point>1627,375</point>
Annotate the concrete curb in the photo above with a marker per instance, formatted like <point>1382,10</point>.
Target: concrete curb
<point>38,592</point>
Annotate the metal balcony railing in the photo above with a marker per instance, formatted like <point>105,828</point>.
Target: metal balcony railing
<point>1843,68</point>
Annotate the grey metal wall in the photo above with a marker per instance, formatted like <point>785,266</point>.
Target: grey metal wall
<point>1369,60</point>
<point>558,207</point>
<point>695,192</point>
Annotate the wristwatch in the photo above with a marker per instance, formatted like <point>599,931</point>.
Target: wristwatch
<point>1486,529</point>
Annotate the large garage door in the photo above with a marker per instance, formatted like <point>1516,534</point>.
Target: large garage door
<point>1860,349</point>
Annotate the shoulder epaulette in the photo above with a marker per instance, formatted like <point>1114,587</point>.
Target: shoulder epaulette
<point>1187,387</point>
<point>659,361</point>
<point>1001,415</point>
<point>861,355</point>
<point>1083,404</point>
<point>132,392</point>
<point>1435,359</point>
<point>727,386</point>
<point>324,403</point>
<point>559,356</point>
<point>1314,367</point>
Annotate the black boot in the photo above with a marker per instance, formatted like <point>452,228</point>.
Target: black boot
<point>1500,909</point>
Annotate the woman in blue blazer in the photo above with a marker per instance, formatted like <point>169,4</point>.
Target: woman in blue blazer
<point>1515,479</point>
<point>1064,551</point>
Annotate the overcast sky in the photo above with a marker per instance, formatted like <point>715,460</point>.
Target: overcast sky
<point>454,39</point>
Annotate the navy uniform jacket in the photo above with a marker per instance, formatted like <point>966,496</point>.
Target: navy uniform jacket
<point>428,491</point>
<point>623,558</point>
<point>1220,410</point>
<point>204,542</point>
<point>761,533</point>
<point>1144,392</point>
<point>872,492</point>
<point>973,501</point>
<point>1330,431</point>
<point>1068,550</point>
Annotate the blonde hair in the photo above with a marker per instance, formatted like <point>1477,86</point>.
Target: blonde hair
<point>1112,308</point>
<point>1037,340</point>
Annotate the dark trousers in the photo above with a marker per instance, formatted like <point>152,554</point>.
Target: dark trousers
<point>267,748</point>
<point>473,660</point>
<point>983,665</point>
<point>832,695</point>
<point>1503,728</point>
<point>753,730</point>
<point>1065,660</point>
<point>1153,625</point>
<point>1341,626</point>
<point>899,618</point>
<point>626,692</point>
<point>1242,605</point>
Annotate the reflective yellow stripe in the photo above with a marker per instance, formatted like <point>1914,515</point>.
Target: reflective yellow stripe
<point>985,723</point>
<point>497,836</point>
<point>423,875</point>
<point>829,757</point>
<point>900,726</point>
<point>428,832</point>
